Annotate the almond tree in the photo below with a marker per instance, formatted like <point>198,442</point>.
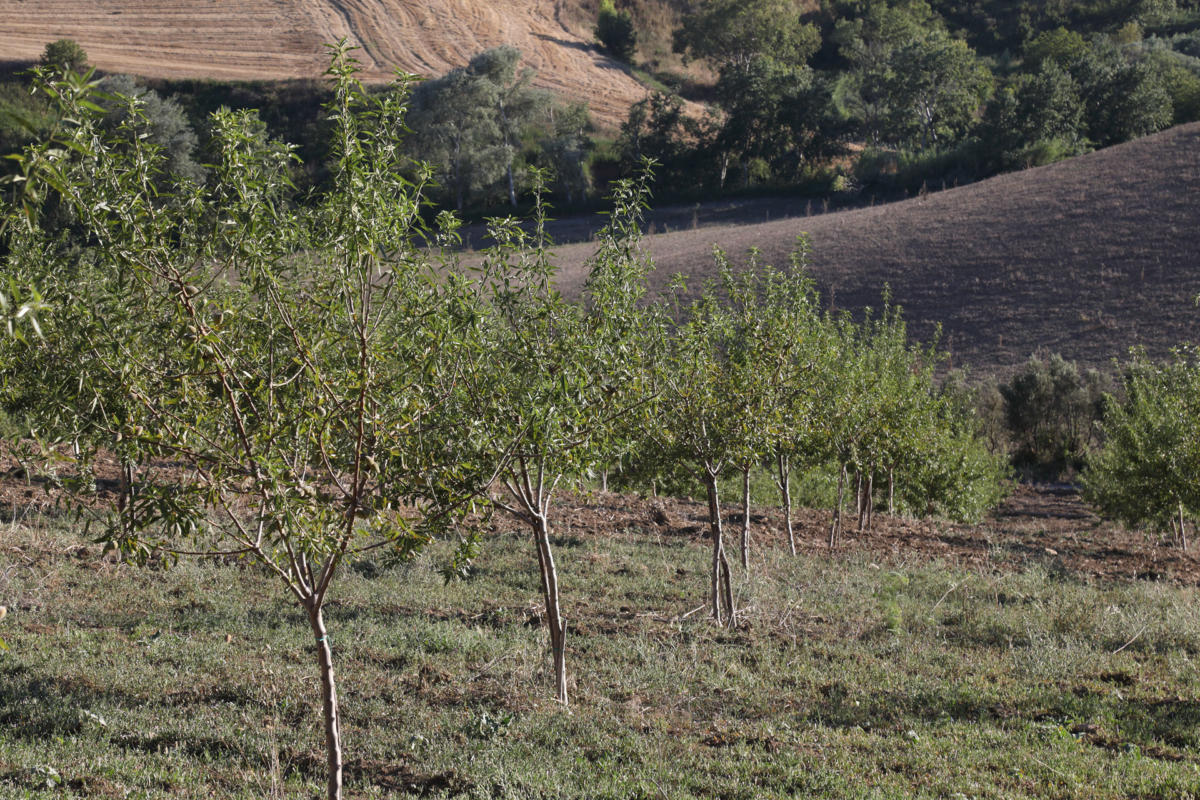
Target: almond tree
<point>1146,471</point>
<point>557,380</point>
<point>701,413</point>
<point>295,364</point>
<point>800,344</point>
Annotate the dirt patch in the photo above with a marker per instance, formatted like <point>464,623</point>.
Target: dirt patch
<point>1045,525</point>
<point>1049,525</point>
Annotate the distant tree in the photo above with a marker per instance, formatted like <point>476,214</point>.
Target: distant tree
<point>1061,46</point>
<point>868,43</point>
<point>161,121</point>
<point>776,114</point>
<point>1123,97</point>
<point>515,103</point>
<point>565,151</point>
<point>65,54</point>
<point>615,31</point>
<point>937,84</point>
<point>659,128</point>
<point>1034,110</point>
<point>470,121</point>
<point>732,32</point>
<point>1180,77</point>
<point>456,129</point>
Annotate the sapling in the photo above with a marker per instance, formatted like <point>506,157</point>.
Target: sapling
<point>557,379</point>
<point>293,365</point>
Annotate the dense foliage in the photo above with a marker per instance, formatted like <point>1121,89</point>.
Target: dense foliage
<point>1145,474</point>
<point>919,92</point>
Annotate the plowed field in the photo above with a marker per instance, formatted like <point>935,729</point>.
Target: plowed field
<point>1087,257</point>
<point>274,39</point>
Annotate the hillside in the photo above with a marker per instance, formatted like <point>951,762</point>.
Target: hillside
<point>275,39</point>
<point>1085,257</point>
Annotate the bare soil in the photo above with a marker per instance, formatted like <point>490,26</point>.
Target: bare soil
<point>1048,525</point>
<point>1045,524</point>
<point>1087,257</point>
<point>279,39</point>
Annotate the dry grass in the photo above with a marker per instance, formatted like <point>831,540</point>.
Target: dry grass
<point>277,39</point>
<point>1086,257</point>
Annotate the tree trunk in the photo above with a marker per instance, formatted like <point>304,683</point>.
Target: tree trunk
<point>785,490</point>
<point>604,479</point>
<point>554,619</point>
<point>871,499</point>
<point>892,491</point>
<point>835,529</point>
<point>721,593</point>
<point>860,499</point>
<point>1182,529</point>
<point>746,517</point>
<point>329,702</point>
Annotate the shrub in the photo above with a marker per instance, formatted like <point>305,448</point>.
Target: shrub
<point>65,54</point>
<point>615,31</point>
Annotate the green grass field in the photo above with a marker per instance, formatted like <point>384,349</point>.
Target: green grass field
<point>848,679</point>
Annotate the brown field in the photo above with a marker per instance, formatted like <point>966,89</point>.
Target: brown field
<point>1086,257</point>
<point>277,39</point>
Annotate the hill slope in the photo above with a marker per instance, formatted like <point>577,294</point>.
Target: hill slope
<point>271,39</point>
<point>1086,257</point>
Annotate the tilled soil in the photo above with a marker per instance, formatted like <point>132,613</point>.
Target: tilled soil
<point>1087,257</point>
<point>1049,525</point>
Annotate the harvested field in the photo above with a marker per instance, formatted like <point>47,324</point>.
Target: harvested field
<point>1086,257</point>
<point>278,39</point>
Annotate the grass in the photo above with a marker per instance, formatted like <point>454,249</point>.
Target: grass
<point>848,679</point>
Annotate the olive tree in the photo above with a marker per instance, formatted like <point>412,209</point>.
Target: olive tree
<point>294,365</point>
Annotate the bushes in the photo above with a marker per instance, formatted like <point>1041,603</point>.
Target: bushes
<point>1146,471</point>
<point>615,31</point>
<point>1051,410</point>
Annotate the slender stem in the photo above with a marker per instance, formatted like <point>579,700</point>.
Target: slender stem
<point>329,702</point>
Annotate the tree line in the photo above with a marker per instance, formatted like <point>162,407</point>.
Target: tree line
<point>298,381</point>
<point>907,81</point>
<point>856,96</point>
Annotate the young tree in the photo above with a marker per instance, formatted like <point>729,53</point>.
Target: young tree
<point>615,31</point>
<point>700,410</point>
<point>557,379</point>
<point>295,364</point>
<point>1146,471</point>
